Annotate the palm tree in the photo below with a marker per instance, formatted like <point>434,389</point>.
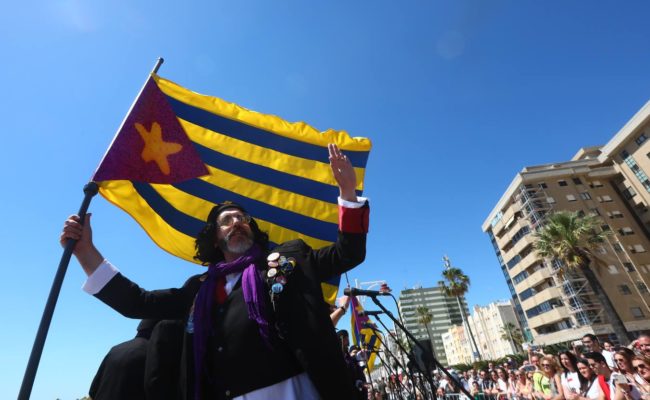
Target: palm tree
<point>456,284</point>
<point>425,318</point>
<point>512,333</point>
<point>569,238</point>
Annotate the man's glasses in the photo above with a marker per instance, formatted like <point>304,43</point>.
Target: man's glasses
<point>229,220</point>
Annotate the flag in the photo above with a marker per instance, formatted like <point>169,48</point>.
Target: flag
<point>178,153</point>
<point>364,332</point>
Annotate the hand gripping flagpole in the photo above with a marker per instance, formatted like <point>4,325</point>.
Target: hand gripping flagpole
<point>90,190</point>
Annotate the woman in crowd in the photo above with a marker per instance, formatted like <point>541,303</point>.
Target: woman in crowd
<point>641,365</point>
<point>502,383</point>
<point>623,359</point>
<point>570,378</point>
<point>524,385</point>
<point>589,388</point>
<point>550,386</point>
<point>512,384</point>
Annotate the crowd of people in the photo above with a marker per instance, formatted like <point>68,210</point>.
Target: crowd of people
<point>588,370</point>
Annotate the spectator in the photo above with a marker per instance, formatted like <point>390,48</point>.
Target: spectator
<point>628,389</point>
<point>354,371</point>
<point>641,365</point>
<point>599,365</point>
<point>524,385</point>
<point>488,386</point>
<point>570,378</point>
<point>641,346</point>
<point>549,387</point>
<point>589,388</point>
<point>476,390</point>
<point>502,382</point>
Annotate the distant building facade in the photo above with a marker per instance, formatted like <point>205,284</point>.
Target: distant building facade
<point>457,345</point>
<point>444,310</point>
<point>609,181</point>
<point>488,325</point>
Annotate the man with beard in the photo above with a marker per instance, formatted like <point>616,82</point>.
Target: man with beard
<point>257,326</point>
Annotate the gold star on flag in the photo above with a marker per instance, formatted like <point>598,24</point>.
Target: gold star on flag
<point>155,148</point>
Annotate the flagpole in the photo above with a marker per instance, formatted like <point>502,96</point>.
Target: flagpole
<point>90,190</point>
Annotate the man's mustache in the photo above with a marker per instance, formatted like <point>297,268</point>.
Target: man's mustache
<point>234,231</point>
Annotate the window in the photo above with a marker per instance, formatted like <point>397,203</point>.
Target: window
<point>550,200</point>
<point>626,231</point>
<point>562,183</point>
<point>640,139</point>
<point>638,249</point>
<point>636,312</point>
<point>605,228</point>
<point>629,266</point>
<point>617,247</point>
<point>643,269</point>
<point>594,211</point>
<point>577,181</point>
<point>629,192</point>
<point>585,196</point>
<point>615,214</point>
<point>642,287</point>
<point>597,184</point>
<point>612,269</point>
<point>601,250</point>
<point>543,185</point>
<point>624,289</point>
<point>606,198</point>
<point>570,197</point>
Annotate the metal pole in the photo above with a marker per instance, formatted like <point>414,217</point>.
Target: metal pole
<point>90,190</point>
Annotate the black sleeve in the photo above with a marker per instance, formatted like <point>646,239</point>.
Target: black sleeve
<point>130,300</point>
<point>347,252</point>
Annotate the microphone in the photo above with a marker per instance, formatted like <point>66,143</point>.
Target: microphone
<point>363,292</point>
<point>369,313</point>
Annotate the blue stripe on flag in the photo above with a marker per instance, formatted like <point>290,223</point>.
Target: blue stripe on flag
<point>269,176</point>
<point>257,136</point>
<point>178,220</point>
<point>287,219</point>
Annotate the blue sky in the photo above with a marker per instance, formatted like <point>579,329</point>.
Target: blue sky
<point>457,96</point>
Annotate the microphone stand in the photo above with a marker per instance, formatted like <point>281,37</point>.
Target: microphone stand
<point>387,350</point>
<point>435,360</point>
<point>408,355</point>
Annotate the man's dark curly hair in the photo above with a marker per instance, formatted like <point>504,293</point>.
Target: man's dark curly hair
<point>207,252</point>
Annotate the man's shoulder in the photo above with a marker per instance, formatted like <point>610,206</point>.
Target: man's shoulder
<point>296,245</point>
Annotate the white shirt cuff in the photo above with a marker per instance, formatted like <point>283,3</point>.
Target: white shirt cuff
<point>361,201</point>
<point>98,279</point>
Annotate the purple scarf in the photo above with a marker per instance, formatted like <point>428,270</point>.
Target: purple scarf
<point>253,288</point>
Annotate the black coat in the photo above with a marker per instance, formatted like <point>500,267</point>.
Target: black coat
<point>301,315</point>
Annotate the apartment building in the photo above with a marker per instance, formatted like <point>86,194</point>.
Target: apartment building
<point>488,324</point>
<point>608,181</point>
<point>457,346</point>
<point>444,310</point>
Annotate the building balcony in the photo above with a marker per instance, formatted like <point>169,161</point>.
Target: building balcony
<point>541,296</point>
<point>533,279</point>
<point>549,317</point>
<point>564,335</point>
<point>524,263</point>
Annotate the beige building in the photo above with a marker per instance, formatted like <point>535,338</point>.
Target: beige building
<point>457,346</point>
<point>608,181</point>
<point>488,324</point>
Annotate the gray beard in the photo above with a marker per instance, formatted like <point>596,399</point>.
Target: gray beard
<point>240,247</point>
